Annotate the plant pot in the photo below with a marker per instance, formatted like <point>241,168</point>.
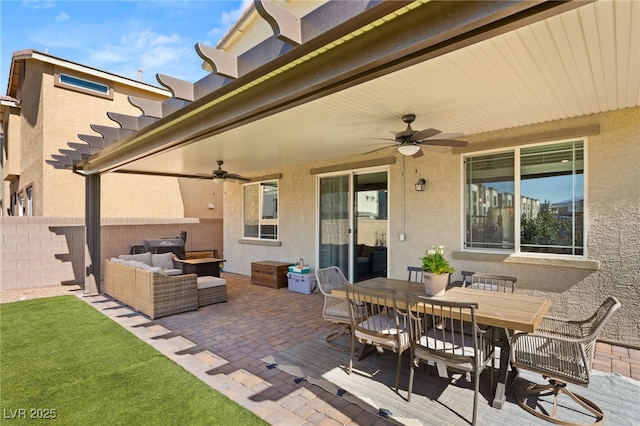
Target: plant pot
<point>434,285</point>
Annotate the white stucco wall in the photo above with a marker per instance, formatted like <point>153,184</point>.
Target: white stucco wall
<point>435,217</point>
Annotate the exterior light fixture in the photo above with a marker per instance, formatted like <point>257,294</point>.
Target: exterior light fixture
<point>420,184</point>
<point>408,149</point>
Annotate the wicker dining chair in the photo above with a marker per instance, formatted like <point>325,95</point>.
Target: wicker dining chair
<point>450,347</point>
<point>562,351</point>
<point>415,273</point>
<point>335,309</point>
<point>489,282</point>
<point>384,325</point>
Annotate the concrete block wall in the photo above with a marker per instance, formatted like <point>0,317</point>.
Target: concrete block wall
<point>40,251</point>
<point>49,251</point>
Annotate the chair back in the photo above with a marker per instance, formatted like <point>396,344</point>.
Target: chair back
<point>489,282</point>
<point>592,326</point>
<point>383,322</point>
<point>415,273</point>
<point>330,278</point>
<point>335,308</point>
<point>452,345</point>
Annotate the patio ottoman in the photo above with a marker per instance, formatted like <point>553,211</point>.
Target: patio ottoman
<point>211,290</point>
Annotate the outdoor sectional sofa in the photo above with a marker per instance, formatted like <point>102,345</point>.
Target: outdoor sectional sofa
<point>150,289</point>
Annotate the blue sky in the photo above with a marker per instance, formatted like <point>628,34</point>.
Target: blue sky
<point>117,36</point>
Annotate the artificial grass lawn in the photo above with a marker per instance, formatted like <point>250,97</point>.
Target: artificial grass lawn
<point>60,356</point>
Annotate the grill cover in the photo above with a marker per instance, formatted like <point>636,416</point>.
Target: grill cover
<point>165,245</point>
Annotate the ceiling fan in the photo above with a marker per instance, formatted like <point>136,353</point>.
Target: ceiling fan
<point>220,176</point>
<point>410,140</point>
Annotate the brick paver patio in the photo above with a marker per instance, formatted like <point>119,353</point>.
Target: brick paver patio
<point>223,345</point>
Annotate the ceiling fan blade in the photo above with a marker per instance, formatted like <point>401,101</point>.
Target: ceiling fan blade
<point>383,139</point>
<point>426,133</point>
<point>447,136</point>
<point>237,177</point>
<point>443,142</point>
<point>418,154</point>
<point>380,149</point>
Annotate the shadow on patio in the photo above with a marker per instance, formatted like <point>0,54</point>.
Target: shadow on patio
<point>226,345</point>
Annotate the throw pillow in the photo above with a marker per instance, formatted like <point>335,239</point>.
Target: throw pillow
<point>136,264</point>
<point>155,269</point>
<point>142,257</point>
<point>164,260</point>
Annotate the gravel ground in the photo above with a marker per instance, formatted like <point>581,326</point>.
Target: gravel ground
<point>7,296</point>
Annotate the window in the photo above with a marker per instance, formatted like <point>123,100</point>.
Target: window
<point>260,202</point>
<point>548,181</point>
<point>83,85</point>
<point>29,205</point>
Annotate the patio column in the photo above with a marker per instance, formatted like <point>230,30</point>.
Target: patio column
<point>92,234</point>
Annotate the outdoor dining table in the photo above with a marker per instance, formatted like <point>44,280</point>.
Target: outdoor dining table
<point>505,311</point>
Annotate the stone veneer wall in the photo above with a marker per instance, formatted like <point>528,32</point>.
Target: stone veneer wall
<point>49,251</point>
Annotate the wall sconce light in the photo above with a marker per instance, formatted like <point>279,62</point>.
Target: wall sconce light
<point>420,184</point>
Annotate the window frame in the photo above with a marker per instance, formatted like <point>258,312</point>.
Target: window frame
<point>516,251</point>
<point>58,82</point>
<point>261,220</point>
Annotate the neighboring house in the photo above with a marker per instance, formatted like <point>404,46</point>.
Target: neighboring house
<point>547,95</point>
<point>49,102</point>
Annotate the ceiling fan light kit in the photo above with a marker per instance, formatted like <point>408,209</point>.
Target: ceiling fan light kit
<point>408,149</point>
<point>409,140</point>
<point>219,180</point>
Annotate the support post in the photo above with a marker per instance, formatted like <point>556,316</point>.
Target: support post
<point>92,234</point>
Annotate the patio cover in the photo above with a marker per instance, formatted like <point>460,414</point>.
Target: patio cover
<point>330,81</point>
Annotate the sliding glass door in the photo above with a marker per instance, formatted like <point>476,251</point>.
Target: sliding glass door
<point>334,222</point>
<point>353,223</point>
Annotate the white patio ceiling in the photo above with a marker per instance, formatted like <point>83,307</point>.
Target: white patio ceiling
<point>581,62</point>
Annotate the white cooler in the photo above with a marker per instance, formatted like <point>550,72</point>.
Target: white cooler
<point>302,283</point>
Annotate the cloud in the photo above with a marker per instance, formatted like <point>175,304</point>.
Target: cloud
<point>38,4</point>
<point>227,19</point>
<point>149,51</point>
<point>62,17</point>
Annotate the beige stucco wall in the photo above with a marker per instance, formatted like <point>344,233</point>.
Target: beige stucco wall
<point>435,217</point>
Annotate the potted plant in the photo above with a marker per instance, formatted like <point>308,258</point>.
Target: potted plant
<point>435,271</point>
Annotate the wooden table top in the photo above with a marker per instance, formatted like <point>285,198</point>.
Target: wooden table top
<point>515,311</point>
<point>200,260</point>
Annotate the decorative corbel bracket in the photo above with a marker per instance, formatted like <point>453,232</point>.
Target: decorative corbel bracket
<point>179,88</point>
<point>148,107</point>
<point>285,25</point>
<point>223,63</point>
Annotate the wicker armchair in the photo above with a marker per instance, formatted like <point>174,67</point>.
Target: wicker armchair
<point>336,309</point>
<point>562,351</point>
<point>489,282</point>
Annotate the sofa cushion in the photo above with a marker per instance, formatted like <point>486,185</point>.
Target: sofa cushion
<point>208,282</point>
<point>163,260</point>
<point>135,264</point>
<point>155,269</point>
<point>171,272</point>
<point>142,257</point>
